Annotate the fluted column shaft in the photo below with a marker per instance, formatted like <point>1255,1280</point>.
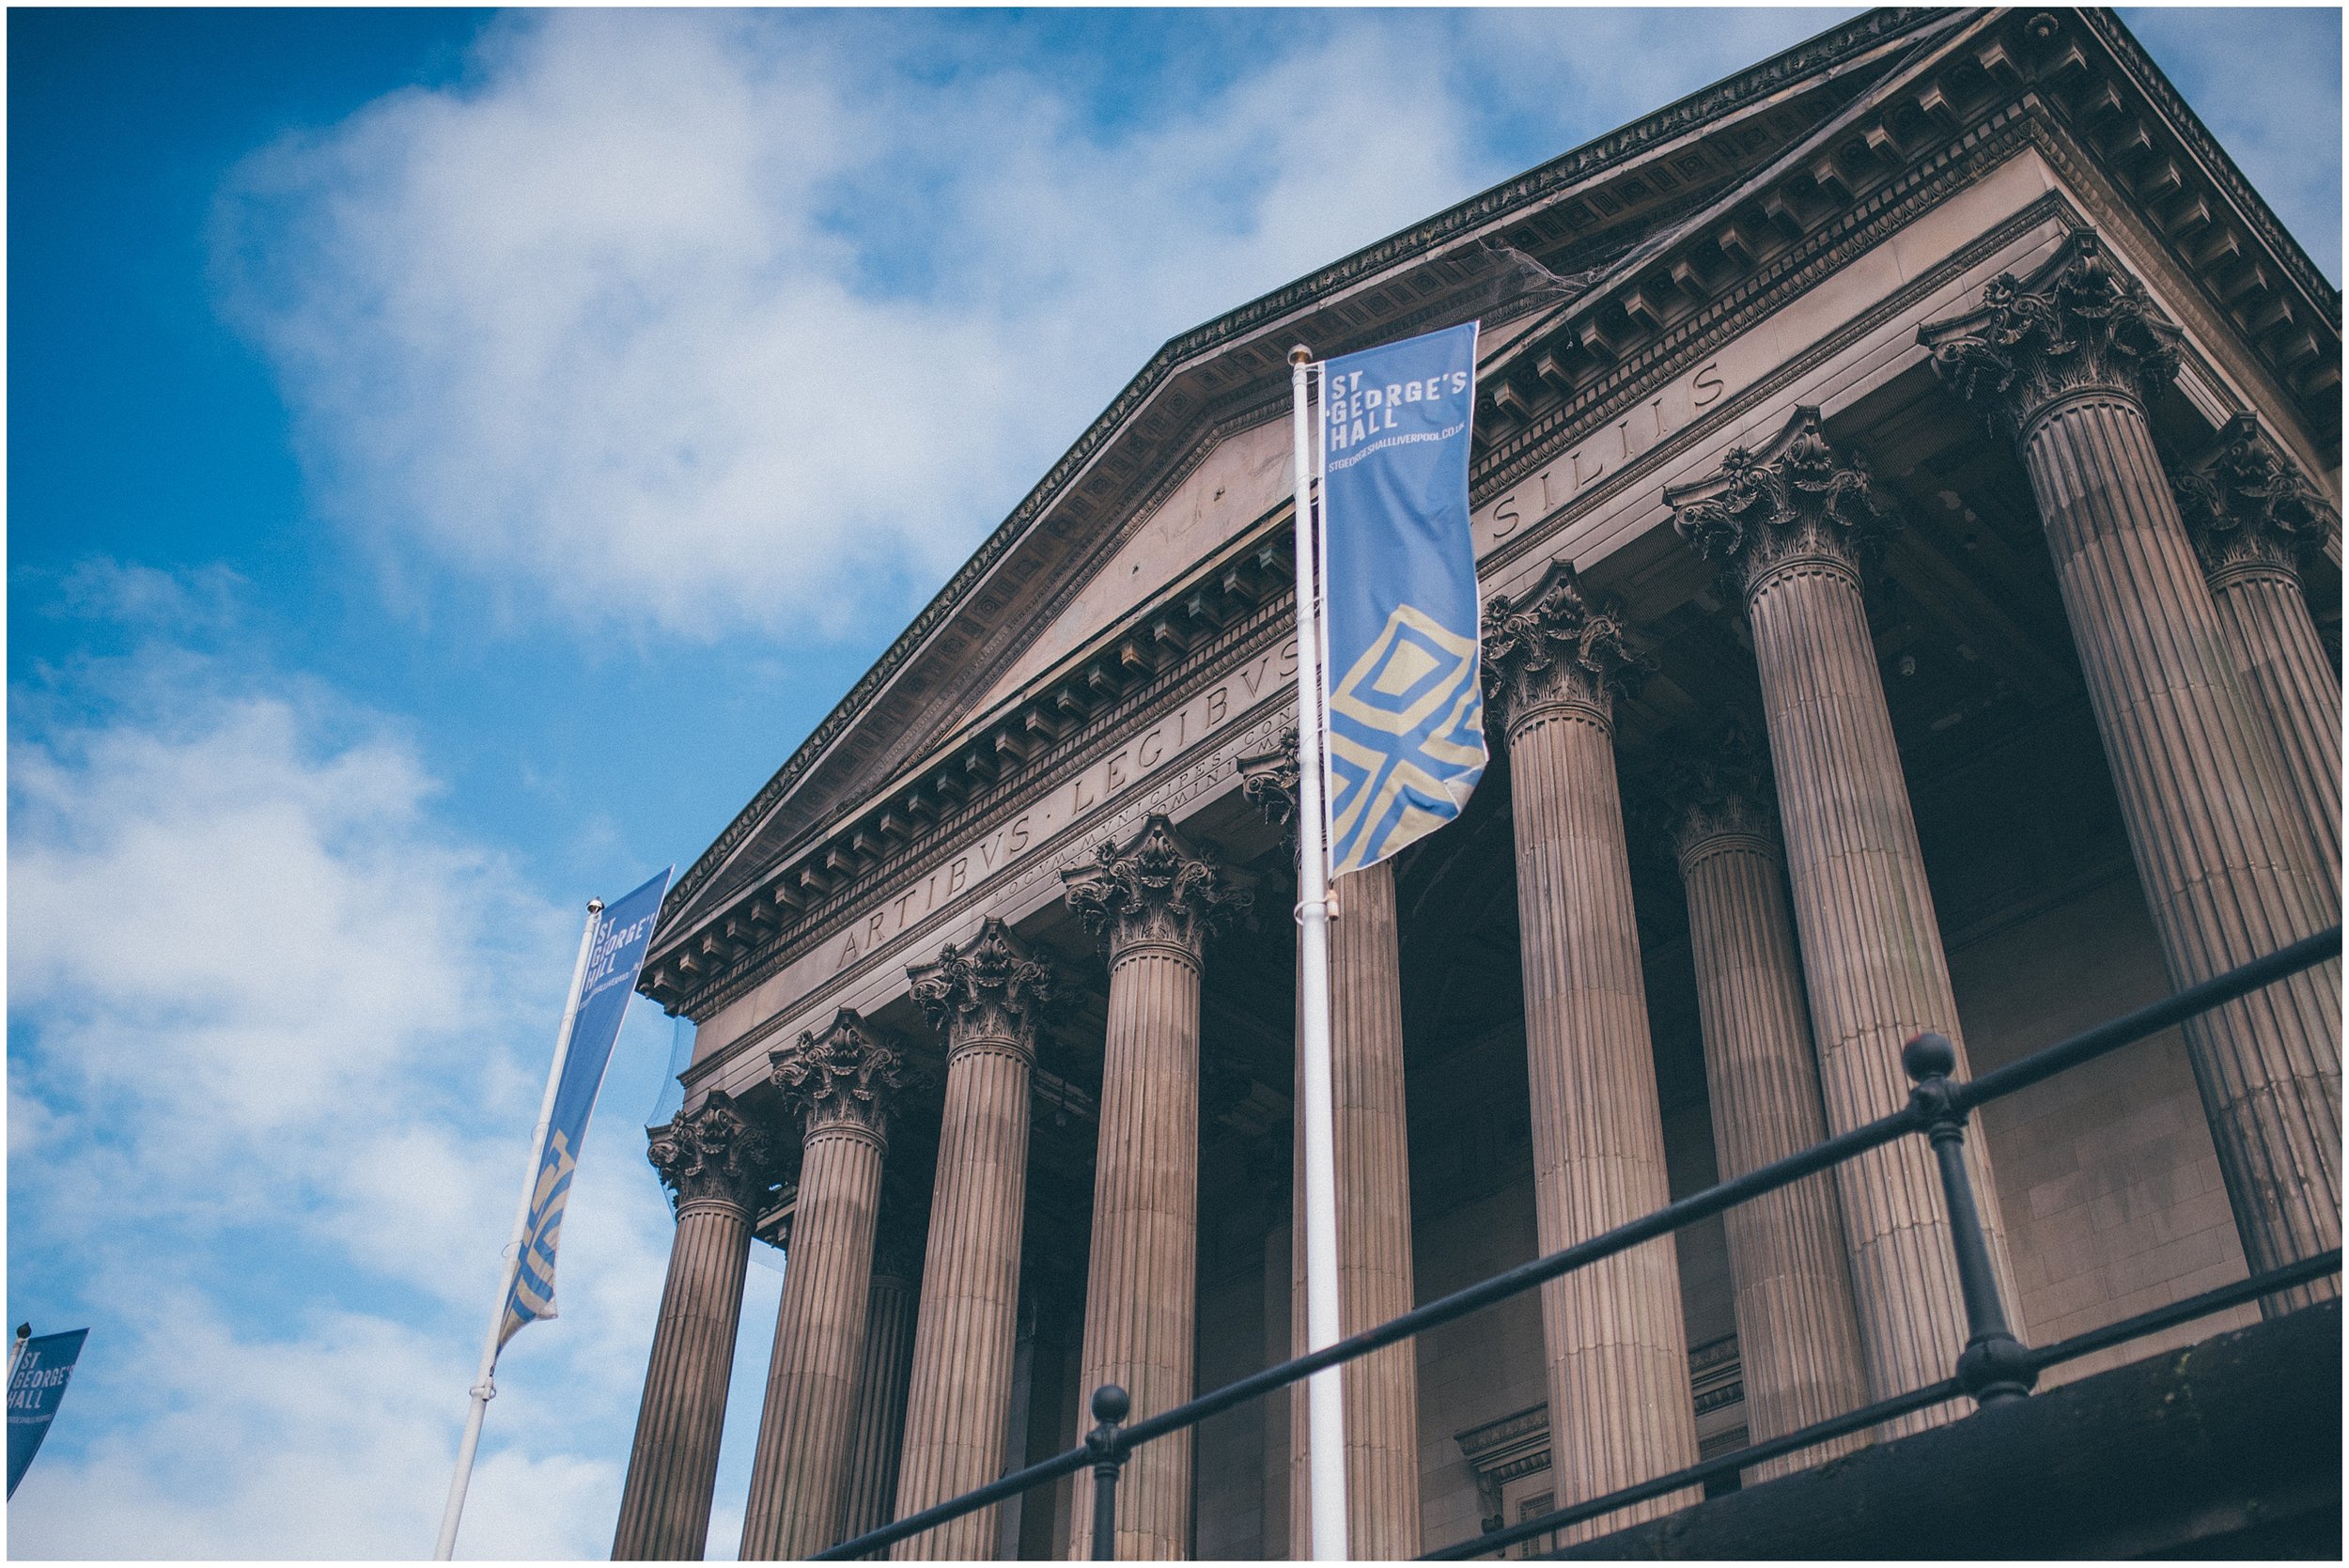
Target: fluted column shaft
<point>958,1413</point>
<point>1140,1312</point>
<point>717,1165</point>
<point>2257,525</point>
<point>1873,957</point>
<point>1374,1234</point>
<point>1157,900</point>
<point>1790,525</point>
<point>876,1443</point>
<point>672,1464</point>
<point>2288,678</point>
<point>2065,362</point>
<point>1620,1410</point>
<point>798,1474</point>
<point>1619,1402</point>
<point>2209,820</point>
<point>1797,1329</point>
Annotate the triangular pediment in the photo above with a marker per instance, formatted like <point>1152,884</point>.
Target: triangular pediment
<point>1582,271</point>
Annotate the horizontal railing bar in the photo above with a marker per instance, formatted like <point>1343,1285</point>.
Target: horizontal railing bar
<point>955,1508</point>
<point>1697,1474</point>
<point>2217,1299</point>
<point>2214,1300</point>
<point>1515,1281</point>
<point>2084,1047</point>
<point>2152,1018</point>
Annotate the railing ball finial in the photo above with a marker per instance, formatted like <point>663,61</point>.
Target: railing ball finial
<point>1929,1055</point>
<point>1111,1403</point>
<point>1993,1367</point>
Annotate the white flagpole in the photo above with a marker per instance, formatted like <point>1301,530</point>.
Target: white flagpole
<point>484,1383</point>
<point>1324,1392</point>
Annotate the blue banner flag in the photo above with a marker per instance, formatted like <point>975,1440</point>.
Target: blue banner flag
<point>1406,726</point>
<point>36,1389</point>
<point>615,954</point>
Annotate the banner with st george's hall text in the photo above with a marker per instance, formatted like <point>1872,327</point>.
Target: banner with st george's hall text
<point>1404,665</point>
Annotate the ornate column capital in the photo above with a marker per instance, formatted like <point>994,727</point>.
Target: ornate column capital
<point>847,1076</point>
<point>2078,324</point>
<point>2248,508</point>
<point>711,1153</point>
<point>1560,645</point>
<point>1268,782</point>
<point>1718,790</point>
<point>1797,502</point>
<point>1154,890</point>
<point>989,992</point>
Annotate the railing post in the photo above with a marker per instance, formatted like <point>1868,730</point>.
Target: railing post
<point>1994,1367</point>
<point>1109,1404</point>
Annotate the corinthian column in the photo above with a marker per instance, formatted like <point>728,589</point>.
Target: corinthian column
<point>2065,363</point>
<point>716,1164</point>
<point>984,997</point>
<point>1618,1349</point>
<point>1789,526</point>
<point>1373,1189</point>
<point>841,1083</point>
<point>878,1440</point>
<point>1798,1330</point>
<point>2257,523</point>
<point>1157,900</point>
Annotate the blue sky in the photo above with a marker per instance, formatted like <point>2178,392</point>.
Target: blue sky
<point>454,458</point>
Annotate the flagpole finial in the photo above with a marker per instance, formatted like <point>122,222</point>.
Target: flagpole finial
<point>1301,355</point>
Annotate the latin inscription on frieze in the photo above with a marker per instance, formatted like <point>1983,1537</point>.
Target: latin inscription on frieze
<point>1136,759</point>
<point>1605,450</point>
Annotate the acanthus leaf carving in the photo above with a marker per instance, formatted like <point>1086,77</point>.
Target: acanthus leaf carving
<point>1268,782</point>
<point>847,1074</point>
<point>1559,644</point>
<point>2247,506</point>
<point>1718,790</point>
<point>990,988</point>
<point>712,1153</point>
<point>2078,324</point>
<point>1800,499</point>
<point>1154,890</point>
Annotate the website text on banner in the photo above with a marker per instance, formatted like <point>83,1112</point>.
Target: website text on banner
<point>1406,701</point>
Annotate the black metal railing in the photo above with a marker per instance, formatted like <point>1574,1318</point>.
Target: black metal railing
<point>1993,1368</point>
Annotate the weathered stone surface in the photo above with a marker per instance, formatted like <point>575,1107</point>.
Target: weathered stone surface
<point>716,1163</point>
<point>986,996</point>
<point>2258,525</point>
<point>1156,900</point>
<point>2230,1448</point>
<point>842,1084</point>
<point>2064,360</point>
<point>1616,1344</point>
<point>1871,944</point>
<point>1798,1330</point>
<point>1374,1192</point>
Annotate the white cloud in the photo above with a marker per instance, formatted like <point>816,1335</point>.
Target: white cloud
<point>276,1034</point>
<point>712,322</point>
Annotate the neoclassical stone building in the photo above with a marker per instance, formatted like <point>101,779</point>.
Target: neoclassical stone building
<point>1906,500</point>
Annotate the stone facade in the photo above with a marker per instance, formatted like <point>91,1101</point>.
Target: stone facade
<point>1909,538</point>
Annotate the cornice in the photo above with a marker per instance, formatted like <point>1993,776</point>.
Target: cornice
<point>1784,277</point>
<point>1244,638</point>
<point>2150,79</point>
<point>1820,56</point>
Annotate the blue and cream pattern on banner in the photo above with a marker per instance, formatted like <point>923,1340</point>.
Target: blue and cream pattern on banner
<point>1406,725</point>
<point>615,954</point>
